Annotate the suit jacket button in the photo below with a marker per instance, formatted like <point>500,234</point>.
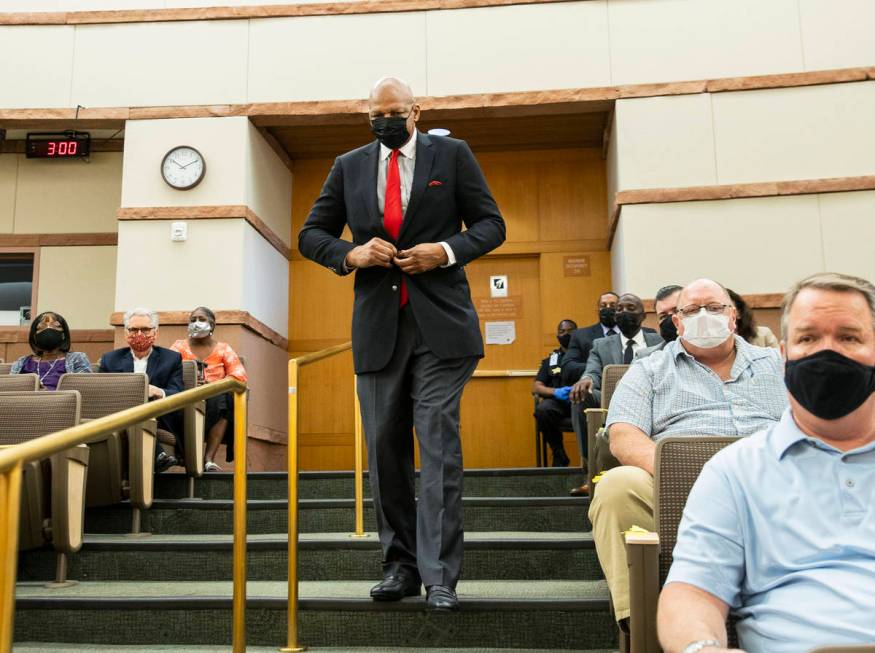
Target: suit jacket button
<point>394,287</point>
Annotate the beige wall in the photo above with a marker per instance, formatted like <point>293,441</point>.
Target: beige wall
<point>48,196</point>
<point>514,48</point>
<point>748,136</point>
<point>268,185</point>
<point>759,245</point>
<point>79,283</point>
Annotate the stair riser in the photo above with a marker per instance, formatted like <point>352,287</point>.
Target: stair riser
<point>564,518</point>
<point>525,629</point>
<point>175,487</point>
<point>327,564</point>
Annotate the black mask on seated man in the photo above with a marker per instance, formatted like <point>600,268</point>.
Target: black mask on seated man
<point>564,340</point>
<point>49,339</point>
<point>629,323</point>
<point>668,330</point>
<point>828,384</point>
<point>607,317</point>
<point>391,132</point>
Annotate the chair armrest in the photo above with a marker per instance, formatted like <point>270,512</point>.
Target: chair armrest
<point>595,419</point>
<point>69,479</point>
<point>193,437</point>
<point>642,552</point>
<point>141,463</point>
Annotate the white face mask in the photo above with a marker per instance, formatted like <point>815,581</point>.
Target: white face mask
<point>706,331</point>
<point>199,329</point>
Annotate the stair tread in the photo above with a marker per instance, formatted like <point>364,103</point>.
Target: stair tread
<point>525,590</point>
<point>348,473</point>
<point>176,539</point>
<point>161,648</point>
<point>222,504</point>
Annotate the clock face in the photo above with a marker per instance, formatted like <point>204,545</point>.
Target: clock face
<point>183,167</point>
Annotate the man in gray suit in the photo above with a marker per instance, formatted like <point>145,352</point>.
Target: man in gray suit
<point>665,305</point>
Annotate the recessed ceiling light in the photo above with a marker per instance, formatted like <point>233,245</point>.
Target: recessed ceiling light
<point>439,131</point>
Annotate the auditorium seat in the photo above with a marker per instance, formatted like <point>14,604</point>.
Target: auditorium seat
<point>5,368</point>
<point>595,419</point>
<point>122,464</point>
<point>52,505</point>
<point>19,382</point>
<point>679,460</point>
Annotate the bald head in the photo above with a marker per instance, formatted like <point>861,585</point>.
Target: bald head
<point>703,291</point>
<point>394,86</point>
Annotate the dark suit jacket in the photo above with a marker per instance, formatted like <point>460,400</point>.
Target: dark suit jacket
<point>164,367</point>
<point>574,362</point>
<point>448,190</point>
<point>609,351</point>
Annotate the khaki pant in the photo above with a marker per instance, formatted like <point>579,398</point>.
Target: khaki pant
<point>621,499</point>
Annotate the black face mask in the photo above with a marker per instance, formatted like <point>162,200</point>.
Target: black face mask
<point>606,317</point>
<point>629,323</point>
<point>668,330</point>
<point>828,384</point>
<point>48,339</point>
<point>564,340</point>
<point>391,132</point>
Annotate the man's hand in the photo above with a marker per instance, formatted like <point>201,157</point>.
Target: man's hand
<point>421,258</point>
<point>580,389</point>
<point>155,392</point>
<point>375,252</point>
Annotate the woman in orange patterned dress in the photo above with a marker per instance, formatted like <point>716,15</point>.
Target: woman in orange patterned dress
<point>216,360</point>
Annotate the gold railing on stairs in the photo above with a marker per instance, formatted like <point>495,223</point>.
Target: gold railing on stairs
<point>12,459</point>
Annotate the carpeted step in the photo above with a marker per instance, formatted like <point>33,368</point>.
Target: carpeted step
<point>322,556</point>
<point>518,614</point>
<point>527,481</point>
<point>566,514</point>
<point>36,647</point>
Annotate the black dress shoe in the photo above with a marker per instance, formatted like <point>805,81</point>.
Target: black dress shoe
<point>395,587</point>
<point>439,598</point>
<point>164,462</point>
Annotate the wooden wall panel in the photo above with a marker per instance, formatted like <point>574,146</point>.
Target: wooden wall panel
<point>554,203</point>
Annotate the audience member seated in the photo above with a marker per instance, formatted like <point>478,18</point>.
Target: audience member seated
<point>665,305</point>
<point>746,325</point>
<point>707,382</point>
<point>554,409</point>
<point>217,360</point>
<point>163,366</point>
<point>49,340</point>
<point>779,527</point>
<point>581,339</point>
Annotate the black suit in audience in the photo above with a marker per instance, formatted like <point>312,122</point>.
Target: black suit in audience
<point>574,362</point>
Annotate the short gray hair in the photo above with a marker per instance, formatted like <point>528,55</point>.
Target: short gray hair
<point>828,281</point>
<point>152,315</point>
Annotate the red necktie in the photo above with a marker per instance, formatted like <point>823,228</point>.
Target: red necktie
<point>392,213</point>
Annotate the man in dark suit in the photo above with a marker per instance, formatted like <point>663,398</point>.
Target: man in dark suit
<point>415,334</point>
<point>163,367</point>
<point>615,349</point>
<point>574,362</point>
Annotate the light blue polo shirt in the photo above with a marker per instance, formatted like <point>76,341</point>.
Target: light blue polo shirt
<point>781,527</point>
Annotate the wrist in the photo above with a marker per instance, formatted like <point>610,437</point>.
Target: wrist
<point>703,646</point>
<point>348,260</point>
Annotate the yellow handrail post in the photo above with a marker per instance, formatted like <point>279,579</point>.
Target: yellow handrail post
<point>238,636</point>
<point>10,497</point>
<point>359,465</point>
<point>292,446</point>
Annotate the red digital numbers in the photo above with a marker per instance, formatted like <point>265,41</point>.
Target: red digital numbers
<point>62,148</point>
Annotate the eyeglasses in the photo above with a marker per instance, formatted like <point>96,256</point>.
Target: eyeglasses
<point>133,330</point>
<point>691,309</point>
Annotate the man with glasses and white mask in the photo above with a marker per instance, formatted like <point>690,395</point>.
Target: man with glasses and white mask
<point>707,382</point>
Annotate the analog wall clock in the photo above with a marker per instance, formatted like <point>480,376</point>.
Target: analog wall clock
<point>183,167</point>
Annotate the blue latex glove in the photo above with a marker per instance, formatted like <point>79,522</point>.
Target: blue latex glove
<point>562,393</point>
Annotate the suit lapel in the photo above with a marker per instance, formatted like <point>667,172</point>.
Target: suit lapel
<point>421,175</point>
<point>127,361</point>
<point>152,363</point>
<point>369,192</point>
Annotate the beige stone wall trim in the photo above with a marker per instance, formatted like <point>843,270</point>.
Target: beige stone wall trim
<point>334,112</point>
<point>257,11</point>
<point>206,213</point>
<point>58,240</point>
<point>736,191</point>
<point>10,335</point>
<point>268,434</point>
<point>242,318</point>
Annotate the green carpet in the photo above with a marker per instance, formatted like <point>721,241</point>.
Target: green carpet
<point>109,648</point>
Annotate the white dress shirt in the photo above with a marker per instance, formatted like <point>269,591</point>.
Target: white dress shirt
<point>638,341</point>
<point>140,364</point>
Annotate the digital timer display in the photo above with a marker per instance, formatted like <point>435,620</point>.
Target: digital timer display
<point>58,145</point>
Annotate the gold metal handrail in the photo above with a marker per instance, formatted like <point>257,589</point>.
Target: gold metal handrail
<point>295,364</point>
<point>503,374</point>
<point>14,457</point>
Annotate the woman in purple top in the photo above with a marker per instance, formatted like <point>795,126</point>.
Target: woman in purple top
<point>50,342</point>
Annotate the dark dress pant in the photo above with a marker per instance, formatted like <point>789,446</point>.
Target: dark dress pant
<point>550,413</point>
<point>416,390</point>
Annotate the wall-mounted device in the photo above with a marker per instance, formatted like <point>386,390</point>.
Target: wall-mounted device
<point>58,145</point>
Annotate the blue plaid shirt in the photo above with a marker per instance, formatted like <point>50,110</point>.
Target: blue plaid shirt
<point>671,393</point>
